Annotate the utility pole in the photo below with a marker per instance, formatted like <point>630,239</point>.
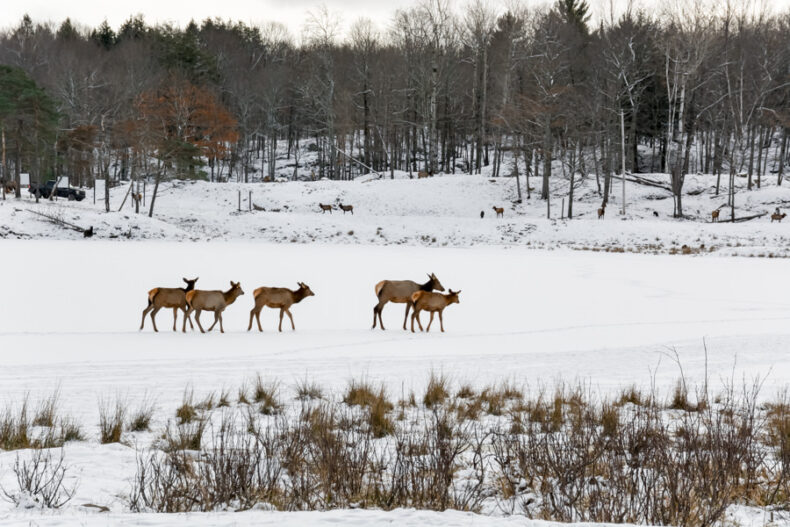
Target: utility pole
<point>622,152</point>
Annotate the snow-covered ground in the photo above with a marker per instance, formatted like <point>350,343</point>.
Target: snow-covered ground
<point>69,319</point>
<point>70,308</point>
<point>443,211</point>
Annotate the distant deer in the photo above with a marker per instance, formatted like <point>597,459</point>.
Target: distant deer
<point>399,292</point>
<point>168,297</point>
<point>423,174</point>
<point>325,208</point>
<point>714,216</point>
<point>778,217</point>
<point>500,212</point>
<point>278,298</point>
<point>215,301</point>
<point>10,187</point>
<point>433,303</point>
<point>347,208</point>
<point>602,210</point>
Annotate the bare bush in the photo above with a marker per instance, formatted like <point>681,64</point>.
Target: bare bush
<point>40,482</point>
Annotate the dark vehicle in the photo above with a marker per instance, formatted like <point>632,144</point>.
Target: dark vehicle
<point>45,190</point>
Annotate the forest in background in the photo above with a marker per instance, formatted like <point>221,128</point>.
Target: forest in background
<point>705,86</point>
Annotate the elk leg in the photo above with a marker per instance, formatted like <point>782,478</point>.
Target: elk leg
<point>280,328</point>
<point>175,317</point>
<point>252,314</point>
<point>408,306</point>
<point>441,322</point>
<point>191,325</point>
<point>377,311</point>
<point>145,312</point>
<point>288,312</point>
<point>197,319</point>
<point>430,322</point>
<point>186,316</point>
<point>258,318</point>
<point>413,316</point>
<point>221,328</point>
<point>153,320</point>
<point>216,319</point>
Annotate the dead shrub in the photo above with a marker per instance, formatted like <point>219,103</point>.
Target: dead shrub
<point>40,482</point>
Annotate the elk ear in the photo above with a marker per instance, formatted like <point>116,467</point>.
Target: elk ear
<point>185,280</point>
<point>196,278</point>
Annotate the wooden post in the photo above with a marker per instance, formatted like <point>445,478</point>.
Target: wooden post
<point>562,210</point>
<point>143,193</point>
<point>249,201</point>
<point>240,201</point>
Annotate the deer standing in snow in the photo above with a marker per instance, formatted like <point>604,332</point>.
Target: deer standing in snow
<point>399,292</point>
<point>347,208</point>
<point>714,216</point>
<point>278,297</point>
<point>433,303</point>
<point>168,297</point>
<point>325,208</point>
<point>215,301</point>
<point>500,212</point>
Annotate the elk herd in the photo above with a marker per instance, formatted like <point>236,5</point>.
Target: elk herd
<point>417,297</point>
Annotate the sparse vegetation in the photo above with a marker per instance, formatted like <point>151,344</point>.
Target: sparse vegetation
<point>111,420</point>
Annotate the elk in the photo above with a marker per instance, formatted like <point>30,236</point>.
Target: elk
<point>714,216</point>
<point>399,292</point>
<point>10,186</point>
<point>347,208</point>
<point>500,212</point>
<point>778,217</point>
<point>433,303</point>
<point>423,174</point>
<point>325,208</point>
<point>602,210</point>
<point>215,301</point>
<point>278,297</point>
<point>167,297</point>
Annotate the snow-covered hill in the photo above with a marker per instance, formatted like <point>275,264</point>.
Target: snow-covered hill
<point>440,211</point>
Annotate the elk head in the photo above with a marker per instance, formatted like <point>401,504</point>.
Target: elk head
<point>436,283</point>
<point>236,287</point>
<point>305,289</point>
<point>190,283</point>
<point>453,296</point>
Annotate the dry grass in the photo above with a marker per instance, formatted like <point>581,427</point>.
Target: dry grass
<point>111,419</point>
<point>140,419</point>
<point>438,390</point>
<point>266,394</point>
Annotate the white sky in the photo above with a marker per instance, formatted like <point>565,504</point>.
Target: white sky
<point>292,13</point>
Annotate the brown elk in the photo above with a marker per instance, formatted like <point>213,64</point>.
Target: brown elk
<point>433,303</point>
<point>602,210</point>
<point>167,297</point>
<point>423,174</point>
<point>714,216</point>
<point>10,187</point>
<point>399,292</point>
<point>215,301</point>
<point>325,208</point>
<point>347,208</point>
<point>500,212</point>
<point>278,298</point>
<point>778,217</point>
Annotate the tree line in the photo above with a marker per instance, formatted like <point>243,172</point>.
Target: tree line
<point>704,87</point>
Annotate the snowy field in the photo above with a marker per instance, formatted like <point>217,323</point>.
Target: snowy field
<point>543,302</point>
<point>443,211</point>
<point>70,321</point>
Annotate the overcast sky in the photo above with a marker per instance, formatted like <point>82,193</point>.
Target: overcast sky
<point>292,13</point>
